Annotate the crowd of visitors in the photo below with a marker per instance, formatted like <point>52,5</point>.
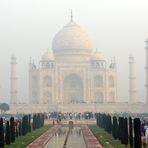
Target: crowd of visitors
<point>58,116</point>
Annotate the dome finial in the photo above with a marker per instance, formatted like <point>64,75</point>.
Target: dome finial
<point>71,17</point>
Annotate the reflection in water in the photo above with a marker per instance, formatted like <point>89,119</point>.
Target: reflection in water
<point>75,139</point>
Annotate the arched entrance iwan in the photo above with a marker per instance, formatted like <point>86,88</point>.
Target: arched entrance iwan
<point>73,89</point>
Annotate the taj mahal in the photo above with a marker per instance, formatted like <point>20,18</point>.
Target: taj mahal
<point>71,72</point>
<point>73,76</point>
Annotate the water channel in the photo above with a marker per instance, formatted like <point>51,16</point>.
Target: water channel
<point>74,138</point>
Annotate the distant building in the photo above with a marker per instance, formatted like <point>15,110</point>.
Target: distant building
<point>71,72</point>
<point>73,77</point>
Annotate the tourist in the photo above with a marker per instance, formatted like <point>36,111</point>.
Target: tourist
<point>146,135</point>
<point>145,128</point>
<point>53,122</point>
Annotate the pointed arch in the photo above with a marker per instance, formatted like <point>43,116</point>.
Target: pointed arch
<point>73,89</point>
<point>34,81</point>
<point>98,81</point>
<point>111,81</point>
<point>47,81</point>
<point>99,97</point>
<point>47,97</point>
<point>111,96</point>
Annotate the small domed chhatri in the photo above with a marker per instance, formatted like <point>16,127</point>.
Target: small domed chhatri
<point>98,56</point>
<point>48,56</point>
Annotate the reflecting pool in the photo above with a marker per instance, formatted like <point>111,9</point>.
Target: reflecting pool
<point>74,138</point>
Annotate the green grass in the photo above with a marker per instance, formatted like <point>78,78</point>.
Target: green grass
<point>23,141</point>
<point>106,139</point>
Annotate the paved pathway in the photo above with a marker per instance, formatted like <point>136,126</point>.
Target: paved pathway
<point>41,141</point>
<point>90,140</point>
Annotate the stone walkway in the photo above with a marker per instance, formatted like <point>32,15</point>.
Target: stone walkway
<point>41,141</point>
<point>90,140</point>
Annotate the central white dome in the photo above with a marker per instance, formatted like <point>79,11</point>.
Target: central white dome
<point>71,37</point>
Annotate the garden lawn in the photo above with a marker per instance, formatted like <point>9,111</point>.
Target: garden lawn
<point>23,141</point>
<point>106,139</point>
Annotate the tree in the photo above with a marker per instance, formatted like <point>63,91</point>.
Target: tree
<point>125,131</point>
<point>42,119</point>
<point>25,125</point>
<point>16,130</point>
<point>115,128</point>
<point>4,107</point>
<point>119,129</point>
<point>34,122</point>
<point>122,130</point>
<point>8,134</point>
<point>12,129</point>
<point>109,124</point>
<point>1,133</point>
<point>20,128</point>
<point>131,132</point>
<point>137,133</point>
<point>29,123</point>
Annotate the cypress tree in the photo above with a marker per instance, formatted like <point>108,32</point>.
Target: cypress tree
<point>125,131</point>
<point>34,122</point>
<point>97,119</point>
<point>20,128</point>
<point>137,133</point>
<point>43,118</point>
<point>122,130</point>
<point>115,128</point>
<point>119,129</point>
<point>29,123</point>
<point>38,123</point>
<point>105,122</point>
<point>25,125</point>
<point>109,124</point>
<point>2,143</point>
<point>38,120</point>
<point>131,132</point>
<point>8,134</point>
<point>102,121</point>
<point>12,129</point>
<point>16,131</point>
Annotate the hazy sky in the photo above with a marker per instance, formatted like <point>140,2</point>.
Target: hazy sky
<point>117,28</point>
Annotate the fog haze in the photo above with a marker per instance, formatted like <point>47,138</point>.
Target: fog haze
<point>117,28</point>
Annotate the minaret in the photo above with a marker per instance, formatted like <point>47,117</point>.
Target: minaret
<point>71,16</point>
<point>132,80</point>
<point>13,79</point>
<point>146,67</point>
